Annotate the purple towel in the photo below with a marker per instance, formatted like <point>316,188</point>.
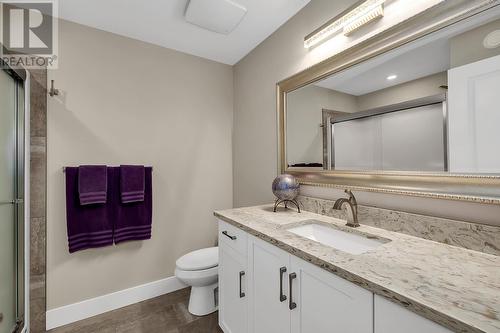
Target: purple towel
<point>132,183</point>
<point>133,220</point>
<point>88,226</point>
<point>92,184</point>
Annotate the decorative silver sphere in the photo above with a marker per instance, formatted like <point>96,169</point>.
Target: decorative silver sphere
<point>286,187</point>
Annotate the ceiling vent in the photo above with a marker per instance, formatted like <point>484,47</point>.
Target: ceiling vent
<point>222,16</point>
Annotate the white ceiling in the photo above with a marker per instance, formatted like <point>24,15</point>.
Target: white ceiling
<point>408,66</point>
<point>161,22</point>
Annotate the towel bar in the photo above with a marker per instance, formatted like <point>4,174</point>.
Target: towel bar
<point>64,168</point>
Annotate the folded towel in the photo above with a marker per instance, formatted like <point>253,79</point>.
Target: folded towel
<point>132,183</point>
<point>92,184</point>
<point>133,220</point>
<point>88,226</point>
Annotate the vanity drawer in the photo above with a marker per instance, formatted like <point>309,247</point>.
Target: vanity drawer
<point>232,236</point>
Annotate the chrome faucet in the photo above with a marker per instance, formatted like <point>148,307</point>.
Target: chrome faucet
<point>352,213</point>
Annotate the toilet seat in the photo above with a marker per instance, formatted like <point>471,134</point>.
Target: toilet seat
<point>210,273</point>
<point>199,260</point>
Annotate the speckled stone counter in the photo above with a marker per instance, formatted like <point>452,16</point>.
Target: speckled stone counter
<point>455,287</point>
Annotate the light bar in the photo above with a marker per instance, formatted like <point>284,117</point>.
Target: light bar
<point>364,19</point>
<point>353,20</point>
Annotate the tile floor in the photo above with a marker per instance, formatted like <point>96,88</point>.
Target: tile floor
<point>167,313</point>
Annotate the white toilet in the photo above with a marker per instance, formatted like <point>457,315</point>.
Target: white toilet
<point>199,269</point>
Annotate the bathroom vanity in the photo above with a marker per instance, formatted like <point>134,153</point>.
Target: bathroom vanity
<point>409,111</point>
<point>290,272</point>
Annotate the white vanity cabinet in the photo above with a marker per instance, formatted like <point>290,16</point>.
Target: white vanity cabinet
<point>287,294</point>
<point>233,280</point>
<point>393,318</point>
<point>268,287</point>
<point>327,303</point>
<point>263,289</point>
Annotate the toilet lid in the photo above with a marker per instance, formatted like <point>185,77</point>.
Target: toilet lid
<point>199,260</point>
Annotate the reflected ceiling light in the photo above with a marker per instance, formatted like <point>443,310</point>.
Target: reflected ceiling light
<point>492,40</point>
<point>350,22</point>
<point>392,77</point>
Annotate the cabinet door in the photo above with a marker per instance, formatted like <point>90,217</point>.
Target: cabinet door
<point>233,305</point>
<point>393,318</point>
<point>268,266</point>
<point>326,303</point>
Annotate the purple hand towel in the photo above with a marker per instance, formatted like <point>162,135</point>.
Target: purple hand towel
<point>92,184</point>
<point>88,226</point>
<point>133,220</point>
<point>132,183</point>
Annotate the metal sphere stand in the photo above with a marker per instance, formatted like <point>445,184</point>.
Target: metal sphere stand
<point>279,202</point>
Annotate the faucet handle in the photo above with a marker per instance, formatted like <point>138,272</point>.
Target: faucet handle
<point>352,198</point>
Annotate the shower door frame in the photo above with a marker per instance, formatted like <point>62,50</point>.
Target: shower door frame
<point>22,77</point>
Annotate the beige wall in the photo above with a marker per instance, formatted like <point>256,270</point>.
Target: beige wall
<point>255,135</point>
<point>423,87</point>
<point>123,101</point>
<point>305,136</point>
<point>255,77</point>
<point>468,47</point>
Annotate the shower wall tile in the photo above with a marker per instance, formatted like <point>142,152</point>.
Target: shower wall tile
<point>37,303</point>
<point>38,103</point>
<point>38,176</point>
<point>37,248</point>
<point>38,198</point>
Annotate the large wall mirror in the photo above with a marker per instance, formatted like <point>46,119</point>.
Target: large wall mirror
<point>420,117</point>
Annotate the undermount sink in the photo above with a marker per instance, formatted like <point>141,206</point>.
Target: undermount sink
<point>341,240</point>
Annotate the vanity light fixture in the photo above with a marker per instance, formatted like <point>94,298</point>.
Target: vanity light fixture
<point>350,22</point>
<point>365,18</point>
<point>392,77</point>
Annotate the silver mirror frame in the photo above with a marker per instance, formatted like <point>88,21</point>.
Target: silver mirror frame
<point>473,188</point>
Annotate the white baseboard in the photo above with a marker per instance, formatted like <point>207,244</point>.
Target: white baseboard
<point>74,312</point>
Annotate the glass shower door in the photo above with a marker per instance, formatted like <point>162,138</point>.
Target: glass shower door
<point>8,210</point>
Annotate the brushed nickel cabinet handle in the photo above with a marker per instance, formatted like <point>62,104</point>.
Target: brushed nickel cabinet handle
<point>282,295</point>
<point>242,294</point>
<point>228,235</point>
<point>291,305</point>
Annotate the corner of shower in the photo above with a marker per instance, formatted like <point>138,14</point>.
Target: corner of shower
<point>14,199</point>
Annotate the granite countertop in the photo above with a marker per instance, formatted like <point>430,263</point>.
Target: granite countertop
<point>455,287</point>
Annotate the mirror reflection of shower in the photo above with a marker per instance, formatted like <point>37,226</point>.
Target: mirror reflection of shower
<point>12,200</point>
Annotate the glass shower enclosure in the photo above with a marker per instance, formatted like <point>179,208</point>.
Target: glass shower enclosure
<point>12,197</point>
